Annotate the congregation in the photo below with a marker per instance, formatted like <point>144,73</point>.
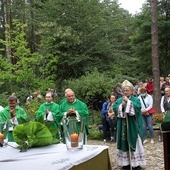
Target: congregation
<point>127,113</point>
<point>140,90</point>
<point>132,105</point>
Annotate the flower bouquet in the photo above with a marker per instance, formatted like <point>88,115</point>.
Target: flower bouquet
<point>158,117</point>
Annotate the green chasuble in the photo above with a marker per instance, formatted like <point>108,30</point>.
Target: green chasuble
<point>79,106</point>
<point>129,128</point>
<point>21,116</point>
<point>55,123</point>
<point>53,108</point>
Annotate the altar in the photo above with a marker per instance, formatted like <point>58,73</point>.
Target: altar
<point>55,157</point>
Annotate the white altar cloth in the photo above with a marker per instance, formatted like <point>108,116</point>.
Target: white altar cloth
<point>52,157</point>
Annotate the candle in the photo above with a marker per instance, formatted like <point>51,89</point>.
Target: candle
<point>74,140</point>
<point>1,138</point>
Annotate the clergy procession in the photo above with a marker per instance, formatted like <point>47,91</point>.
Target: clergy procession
<point>127,113</point>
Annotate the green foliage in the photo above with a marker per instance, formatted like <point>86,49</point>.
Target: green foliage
<point>95,117</point>
<point>21,94</point>
<point>50,42</point>
<point>120,78</point>
<point>21,65</point>
<point>95,121</point>
<point>32,107</point>
<point>141,44</point>
<point>81,35</point>
<point>93,85</point>
<point>95,134</point>
<point>44,84</point>
<point>22,71</point>
<point>164,36</point>
<point>3,99</point>
<point>3,96</point>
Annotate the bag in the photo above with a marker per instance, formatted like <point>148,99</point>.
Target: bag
<point>151,111</point>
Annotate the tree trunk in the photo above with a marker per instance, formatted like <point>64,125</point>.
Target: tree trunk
<point>155,56</point>
<point>8,21</point>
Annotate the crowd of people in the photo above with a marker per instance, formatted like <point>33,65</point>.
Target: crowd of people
<point>126,114</point>
<point>144,92</point>
<point>132,110</point>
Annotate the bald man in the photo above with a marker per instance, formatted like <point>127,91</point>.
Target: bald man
<point>65,92</point>
<point>72,105</point>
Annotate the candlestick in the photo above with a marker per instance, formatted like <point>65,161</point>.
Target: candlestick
<point>74,140</point>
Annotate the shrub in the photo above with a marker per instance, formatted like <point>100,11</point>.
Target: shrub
<point>95,134</point>
<point>92,87</point>
<point>32,107</point>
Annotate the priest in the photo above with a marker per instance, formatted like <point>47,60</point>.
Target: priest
<point>130,150</point>
<point>49,112</point>
<point>73,106</point>
<point>14,114</point>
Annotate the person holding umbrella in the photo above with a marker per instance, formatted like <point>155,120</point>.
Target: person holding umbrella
<point>130,150</point>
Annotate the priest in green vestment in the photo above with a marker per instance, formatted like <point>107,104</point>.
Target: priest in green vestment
<point>14,114</point>
<point>49,111</point>
<point>72,105</point>
<point>130,150</point>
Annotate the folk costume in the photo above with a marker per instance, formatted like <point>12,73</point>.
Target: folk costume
<point>130,150</point>
<point>20,117</point>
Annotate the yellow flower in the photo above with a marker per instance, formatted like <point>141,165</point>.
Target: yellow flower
<point>158,117</point>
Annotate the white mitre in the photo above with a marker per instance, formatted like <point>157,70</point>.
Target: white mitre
<point>127,85</point>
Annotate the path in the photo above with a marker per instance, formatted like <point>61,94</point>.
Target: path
<point>154,154</point>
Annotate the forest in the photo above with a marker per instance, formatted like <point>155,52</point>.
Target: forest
<point>86,45</point>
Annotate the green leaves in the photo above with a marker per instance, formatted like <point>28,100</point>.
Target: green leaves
<point>94,84</point>
<point>31,134</point>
